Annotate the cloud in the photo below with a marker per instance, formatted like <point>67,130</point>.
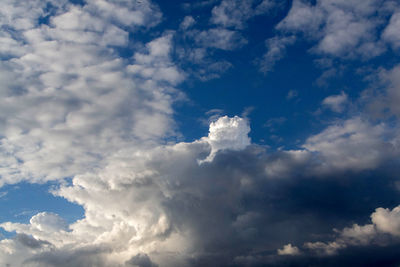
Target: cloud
<point>228,133</point>
<point>30,242</point>
<point>336,102</point>
<point>219,38</point>
<point>233,13</point>
<point>228,19</point>
<point>187,22</point>
<point>148,203</point>
<point>384,221</point>
<point>141,260</point>
<point>345,29</point>
<point>160,201</point>
<point>59,117</point>
<point>48,222</point>
<point>391,33</point>
<point>351,145</point>
<point>292,94</point>
<point>276,50</point>
<point>289,250</point>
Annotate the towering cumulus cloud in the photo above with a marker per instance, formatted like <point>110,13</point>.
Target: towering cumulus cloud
<point>228,133</point>
<point>144,202</point>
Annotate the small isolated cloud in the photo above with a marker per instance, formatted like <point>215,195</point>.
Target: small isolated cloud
<point>274,123</point>
<point>3,194</point>
<point>292,94</point>
<point>336,103</point>
<point>187,22</point>
<point>289,250</point>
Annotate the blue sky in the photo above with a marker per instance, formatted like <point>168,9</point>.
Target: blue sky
<point>216,132</point>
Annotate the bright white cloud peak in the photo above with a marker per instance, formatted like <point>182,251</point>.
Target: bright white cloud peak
<point>228,133</point>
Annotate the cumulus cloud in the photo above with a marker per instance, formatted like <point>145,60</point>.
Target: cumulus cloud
<point>59,117</point>
<point>336,102</point>
<point>384,221</point>
<point>289,250</point>
<point>155,206</point>
<point>228,133</point>
<point>353,145</point>
<point>339,29</point>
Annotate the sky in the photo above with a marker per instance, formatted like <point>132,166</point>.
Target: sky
<point>199,133</point>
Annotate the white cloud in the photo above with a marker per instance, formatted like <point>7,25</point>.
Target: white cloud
<point>132,206</point>
<point>341,28</point>
<point>384,221</point>
<point>351,145</point>
<point>289,250</point>
<point>387,221</point>
<point>228,133</point>
<point>336,102</point>
<point>48,222</point>
<point>69,100</point>
<point>233,13</point>
<point>354,144</point>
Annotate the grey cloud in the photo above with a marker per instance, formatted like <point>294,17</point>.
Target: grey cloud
<point>381,100</point>
<point>141,260</point>
<point>187,22</point>
<point>90,256</point>
<point>391,33</point>
<point>30,241</point>
<point>220,212</point>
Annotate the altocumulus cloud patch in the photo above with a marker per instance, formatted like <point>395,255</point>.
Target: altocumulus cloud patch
<point>98,98</point>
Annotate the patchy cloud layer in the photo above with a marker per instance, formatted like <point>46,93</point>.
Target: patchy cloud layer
<point>69,99</point>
